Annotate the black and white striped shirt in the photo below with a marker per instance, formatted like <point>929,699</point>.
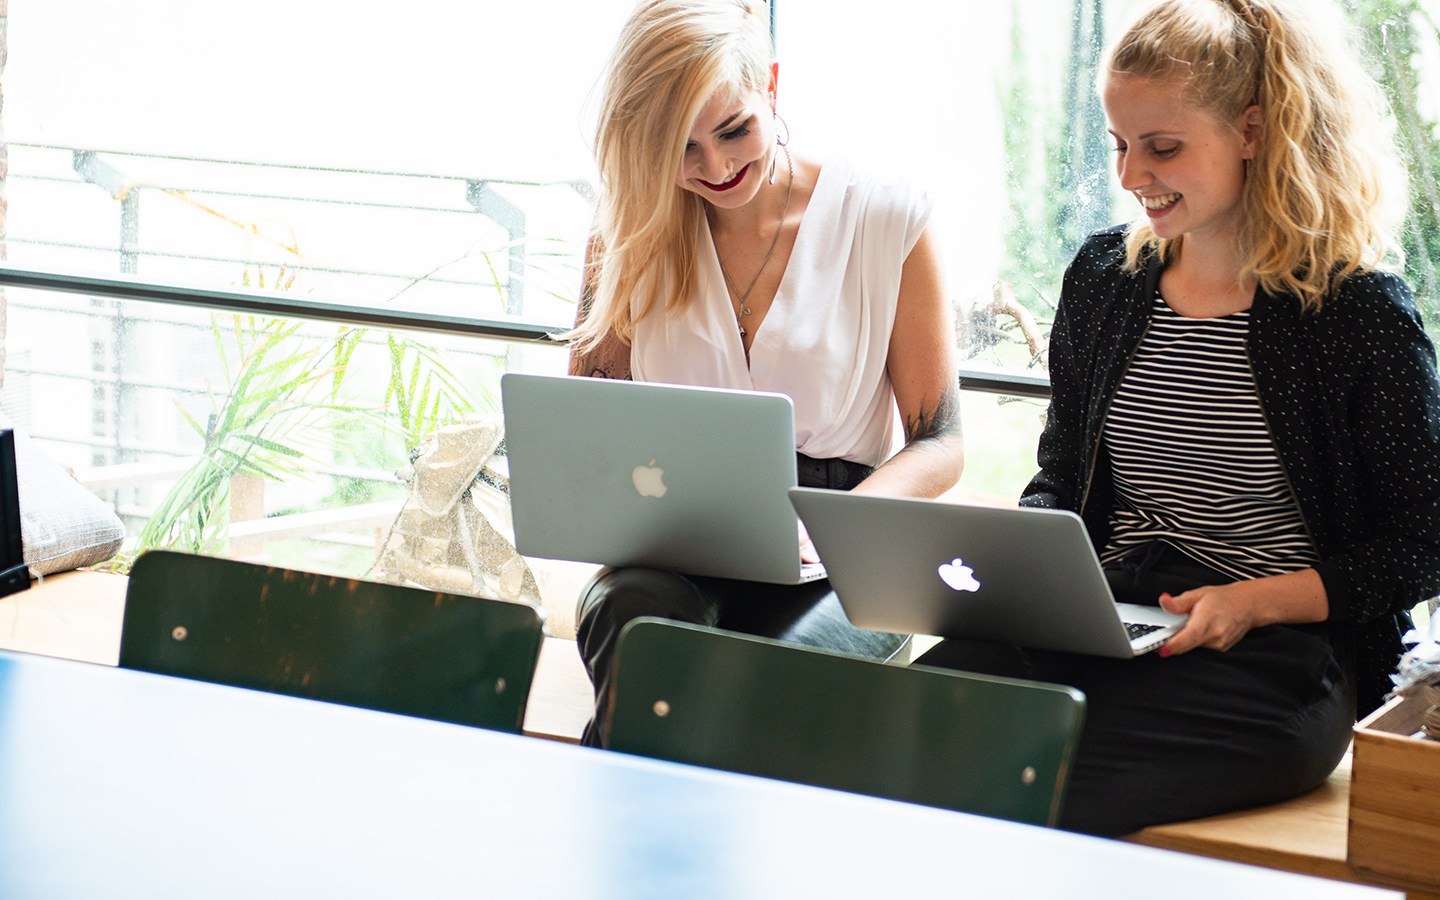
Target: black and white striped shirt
<point>1192,458</point>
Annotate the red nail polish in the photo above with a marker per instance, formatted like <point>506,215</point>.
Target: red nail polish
<point>1165,651</point>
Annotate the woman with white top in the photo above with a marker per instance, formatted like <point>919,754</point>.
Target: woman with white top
<point>722,257</point>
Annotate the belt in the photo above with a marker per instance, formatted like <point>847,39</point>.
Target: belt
<point>836,474</point>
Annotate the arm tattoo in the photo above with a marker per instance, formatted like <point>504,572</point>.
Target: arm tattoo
<point>605,371</point>
<point>932,423</point>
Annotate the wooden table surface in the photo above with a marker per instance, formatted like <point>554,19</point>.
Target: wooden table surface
<point>72,615</point>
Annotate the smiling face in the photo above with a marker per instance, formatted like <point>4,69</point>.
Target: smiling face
<point>1186,169</point>
<point>727,154</point>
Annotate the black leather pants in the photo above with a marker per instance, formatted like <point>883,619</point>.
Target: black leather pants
<point>1198,734</point>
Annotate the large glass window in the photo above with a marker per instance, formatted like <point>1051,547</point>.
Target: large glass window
<point>433,157</point>
<point>432,161</point>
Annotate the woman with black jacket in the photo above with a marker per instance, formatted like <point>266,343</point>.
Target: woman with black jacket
<point>1246,414</point>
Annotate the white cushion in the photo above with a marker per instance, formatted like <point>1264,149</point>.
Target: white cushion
<point>62,524</point>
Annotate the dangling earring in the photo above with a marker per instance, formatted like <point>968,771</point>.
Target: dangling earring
<point>778,142</point>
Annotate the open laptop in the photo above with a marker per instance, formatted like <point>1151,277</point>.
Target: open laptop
<point>687,479</point>
<point>1028,577</point>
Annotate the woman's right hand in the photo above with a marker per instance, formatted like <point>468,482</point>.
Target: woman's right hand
<point>808,553</point>
<point>1220,615</point>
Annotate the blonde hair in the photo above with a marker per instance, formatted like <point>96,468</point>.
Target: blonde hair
<point>671,58</point>
<point>1314,199</point>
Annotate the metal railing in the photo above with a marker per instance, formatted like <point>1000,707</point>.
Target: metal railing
<point>219,188</point>
<point>108,170</point>
<point>267,304</point>
<point>472,195</point>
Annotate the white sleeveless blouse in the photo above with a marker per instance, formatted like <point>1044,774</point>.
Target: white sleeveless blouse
<point>826,338</point>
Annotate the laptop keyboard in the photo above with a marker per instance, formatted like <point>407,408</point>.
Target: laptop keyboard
<point>1136,630</point>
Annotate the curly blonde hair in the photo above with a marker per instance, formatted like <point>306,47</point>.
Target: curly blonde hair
<point>671,58</point>
<point>1315,204</point>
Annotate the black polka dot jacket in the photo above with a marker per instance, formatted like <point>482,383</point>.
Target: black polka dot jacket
<point>1352,401</point>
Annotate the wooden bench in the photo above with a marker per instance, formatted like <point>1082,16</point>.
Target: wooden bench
<point>1306,835</point>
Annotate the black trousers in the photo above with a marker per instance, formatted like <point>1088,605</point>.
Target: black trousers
<point>1192,735</point>
<point>807,614</point>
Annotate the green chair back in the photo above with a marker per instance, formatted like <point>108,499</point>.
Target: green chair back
<point>361,643</point>
<point>993,746</point>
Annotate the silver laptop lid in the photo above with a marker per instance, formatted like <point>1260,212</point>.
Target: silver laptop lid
<point>621,473</point>
<point>1024,576</point>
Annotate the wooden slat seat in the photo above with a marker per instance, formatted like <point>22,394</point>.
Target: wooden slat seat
<point>1306,835</point>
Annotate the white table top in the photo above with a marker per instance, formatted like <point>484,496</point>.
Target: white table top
<point>121,784</point>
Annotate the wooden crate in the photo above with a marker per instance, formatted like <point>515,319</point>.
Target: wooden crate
<point>1395,797</point>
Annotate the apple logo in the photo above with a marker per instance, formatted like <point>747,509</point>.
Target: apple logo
<point>959,576</point>
<point>649,480</point>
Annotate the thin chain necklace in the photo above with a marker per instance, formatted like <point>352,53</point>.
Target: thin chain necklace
<point>742,309</point>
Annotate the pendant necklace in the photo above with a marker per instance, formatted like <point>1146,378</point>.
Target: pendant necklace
<point>742,309</point>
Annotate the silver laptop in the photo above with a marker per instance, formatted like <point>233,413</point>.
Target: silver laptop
<point>1028,577</point>
<point>687,479</point>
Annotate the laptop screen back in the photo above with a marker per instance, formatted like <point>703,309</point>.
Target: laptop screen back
<point>620,473</point>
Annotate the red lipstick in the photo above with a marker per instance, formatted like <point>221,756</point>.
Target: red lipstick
<point>739,176</point>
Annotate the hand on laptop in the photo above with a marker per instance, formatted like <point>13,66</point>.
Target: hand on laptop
<point>1216,620</point>
<point>1220,615</point>
<point>808,553</point>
